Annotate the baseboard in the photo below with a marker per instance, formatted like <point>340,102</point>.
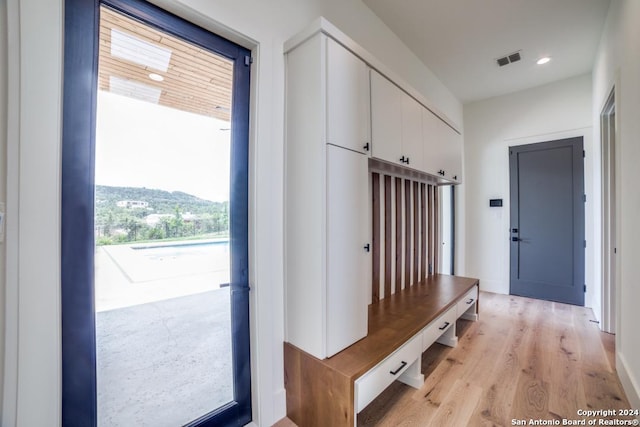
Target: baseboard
<point>629,383</point>
<point>280,404</point>
<point>279,410</point>
<point>494,286</point>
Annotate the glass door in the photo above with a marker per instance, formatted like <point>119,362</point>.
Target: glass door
<point>166,309</point>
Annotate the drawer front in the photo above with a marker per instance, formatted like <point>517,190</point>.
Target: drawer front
<point>372,383</point>
<point>435,329</point>
<point>468,301</point>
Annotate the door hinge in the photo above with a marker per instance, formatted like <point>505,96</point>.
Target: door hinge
<point>584,198</point>
<point>585,288</point>
<point>584,153</point>
<point>585,243</point>
<point>248,60</point>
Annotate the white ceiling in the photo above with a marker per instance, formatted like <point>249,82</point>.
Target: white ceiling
<point>459,40</point>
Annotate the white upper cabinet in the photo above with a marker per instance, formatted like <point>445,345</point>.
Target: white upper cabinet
<point>348,100</point>
<point>442,148</point>
<point>450,151</point>
<point>430,142</point>
<point>386,119</point>
<point>412,145</point>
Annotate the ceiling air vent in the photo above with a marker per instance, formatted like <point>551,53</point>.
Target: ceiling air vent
<point>509,59</point>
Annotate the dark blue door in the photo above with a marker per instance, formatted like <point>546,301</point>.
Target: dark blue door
<point>80,229</point>
<point>547,220</point>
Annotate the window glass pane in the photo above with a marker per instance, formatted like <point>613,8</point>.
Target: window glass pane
<point>161,227</point>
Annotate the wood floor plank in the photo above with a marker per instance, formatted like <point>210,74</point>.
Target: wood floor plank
<point>496,403</point>
<point>458,406</point>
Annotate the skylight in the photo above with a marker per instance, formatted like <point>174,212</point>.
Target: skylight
<point>134,89</point>
<point>130,48</point>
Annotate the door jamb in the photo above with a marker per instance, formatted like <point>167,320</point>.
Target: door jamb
<point>610,223</point>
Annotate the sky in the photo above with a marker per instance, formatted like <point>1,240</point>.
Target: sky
<point>140,144</point>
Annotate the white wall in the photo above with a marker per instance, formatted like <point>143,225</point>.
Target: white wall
<point>618,63</point>
<point>33,190</point>
<point>3,173</point>
<point>553,111</point>
<point>33,358</point>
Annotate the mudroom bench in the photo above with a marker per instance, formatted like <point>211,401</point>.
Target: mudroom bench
<point>333,391</point>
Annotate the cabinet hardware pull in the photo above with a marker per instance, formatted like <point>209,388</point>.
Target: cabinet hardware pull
<point>441,172</point>
<point>455,177</point>
<point>470,301</point>
<point>515,239</point>
<point>402,160</point>
<point>407,160</point>
<point>402,365</point>
<point>443,327</point>
<point>366,147</point>
<point>514,230</point>
<point>367,247</point>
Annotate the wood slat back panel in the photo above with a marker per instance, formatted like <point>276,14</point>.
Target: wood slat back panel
<point>375,241</point>
<point>416,231</point>
<point>388,256</point>
<point>430,224</point>
<point>436,231</point>
<point>423,231</point>
<point>398,252</point>
<point>405,233</point>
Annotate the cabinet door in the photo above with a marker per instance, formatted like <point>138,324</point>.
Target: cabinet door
<point>348,263</point>
<point>451,147</point>
<point>412,144</point>
<point>386,119</point>
<point>431,140</point>
<point>348,101</point>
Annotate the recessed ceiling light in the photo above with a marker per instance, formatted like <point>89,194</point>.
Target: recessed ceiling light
<point>156,77</point>
<point>543,60</point>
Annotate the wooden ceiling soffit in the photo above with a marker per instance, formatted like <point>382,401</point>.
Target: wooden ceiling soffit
<point>194,79</point>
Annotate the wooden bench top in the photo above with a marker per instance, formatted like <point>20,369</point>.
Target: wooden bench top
<point>396,319</point>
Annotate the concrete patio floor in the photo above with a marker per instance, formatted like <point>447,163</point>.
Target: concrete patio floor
<point>164,359</point>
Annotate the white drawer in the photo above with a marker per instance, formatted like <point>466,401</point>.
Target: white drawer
<point>372,383</point>
<point>435,329</point>
<point>468,301</point>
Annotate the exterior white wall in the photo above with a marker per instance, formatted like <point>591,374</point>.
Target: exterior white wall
<point>618,64</point>
<point>553,111</point>
<point>35,28</point>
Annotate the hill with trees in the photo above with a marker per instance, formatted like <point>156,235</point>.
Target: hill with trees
<point>165,215</point>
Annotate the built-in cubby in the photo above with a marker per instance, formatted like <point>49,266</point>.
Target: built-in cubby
<point>364,157</point>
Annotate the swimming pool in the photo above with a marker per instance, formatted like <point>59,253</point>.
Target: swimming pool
<point>195,249</point>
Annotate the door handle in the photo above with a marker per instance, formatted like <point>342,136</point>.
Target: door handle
<point>515,239</point>
<point>514,230</point>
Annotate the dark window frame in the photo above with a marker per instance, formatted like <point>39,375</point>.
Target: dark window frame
<point>79,406</point>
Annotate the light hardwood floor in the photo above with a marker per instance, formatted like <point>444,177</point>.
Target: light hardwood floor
<point>524,359</point>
